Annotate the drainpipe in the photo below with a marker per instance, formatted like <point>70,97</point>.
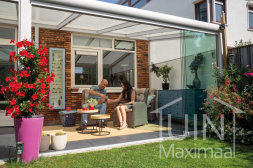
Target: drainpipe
<point>224,39</point>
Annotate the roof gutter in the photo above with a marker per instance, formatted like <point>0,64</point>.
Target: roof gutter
<point>131,14</point>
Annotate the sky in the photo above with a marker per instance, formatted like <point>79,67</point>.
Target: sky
<point>110,1</point>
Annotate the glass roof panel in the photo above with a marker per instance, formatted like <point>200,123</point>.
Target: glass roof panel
<point>8,10</point>
<point>93,23</point>
<point>135,29</point>
<point>164,33</point>
<point>48,16</point>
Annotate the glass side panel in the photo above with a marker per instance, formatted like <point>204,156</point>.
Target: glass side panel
<point>8,10</point>
<point>4,66</point>
<point>202,12</point>
<point>140,4</point>
<point>218,11</point>
<point>86,69</point>
<point>7,33</point>
<point>118,66</point>
<point>93,42</point>
<point>200,53</point>
<point>251,20</point>
<point>124,45</point>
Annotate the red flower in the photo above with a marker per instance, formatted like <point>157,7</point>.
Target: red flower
<point>9,111</point>
<point>52,74</point>
<point>20,44</point>
<point>14,78</point>
<point>30,104</point>
<point>43,98</point>
<point>18,85</point>
<point>30,109</point>
<point>12,41</point>
<point>28,55</point>
<point>33,56</point>
<point>21,93</point>
<point>10,70</point>
<point>41,52</point>
<point>23,52</point>
<point>27,43</point>
<point>12,54</point>
<point>43,86</point>
<point>45,50</point>
<point>48,104</point>
<point>7,79</point>
<point>26,85</point>
<point>40,46</point>
<point>24,73</point>
<point>12,101</point>
<point>36,104</point>
<point>51,107</point>
<point>40,80</point>
<point>35,96</point>
<point>42,91</point>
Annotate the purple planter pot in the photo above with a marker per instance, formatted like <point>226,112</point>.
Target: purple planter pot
<point>28,130</point>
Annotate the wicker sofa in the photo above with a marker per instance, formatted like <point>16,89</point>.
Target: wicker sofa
<point>138,114</point>
<point>152,106</point>
<point>85,95</point>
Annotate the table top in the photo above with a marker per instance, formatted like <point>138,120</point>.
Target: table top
<point>87,111</point>
<point>100,116</point>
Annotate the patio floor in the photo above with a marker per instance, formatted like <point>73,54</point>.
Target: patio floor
<point>78,140</point>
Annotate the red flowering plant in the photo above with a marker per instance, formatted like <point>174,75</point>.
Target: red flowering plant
<point>228,93</point>
<point>25,89</point>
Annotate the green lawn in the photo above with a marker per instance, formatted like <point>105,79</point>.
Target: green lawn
<point>148,155</point>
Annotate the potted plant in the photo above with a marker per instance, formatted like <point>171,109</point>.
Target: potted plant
<point>59,140</point>
<point>92,103</point>
<point>25,91</point>
<point>45,142</point>
<point>165,71</point>
<point>195,64</point>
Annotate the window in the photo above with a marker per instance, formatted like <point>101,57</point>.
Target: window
<point>118,66</point>
<point>201,11</point>
<point>92,63</point>
<point>135,3</point>
<point>219,7</point>
<point>6,35</point>
<point>250,18</point>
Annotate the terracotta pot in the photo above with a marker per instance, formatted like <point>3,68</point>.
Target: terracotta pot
<point>58,142</point>
<point>91,108</point>
<point>44,143</point>
<point>28,130</point>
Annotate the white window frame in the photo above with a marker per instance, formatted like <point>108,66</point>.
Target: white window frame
<point>100,61</point>
<point>214,10</point>
<point>249,11</point>
<point>7,42</point>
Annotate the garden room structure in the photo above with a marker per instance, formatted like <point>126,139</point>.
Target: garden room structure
<point>110,41</point>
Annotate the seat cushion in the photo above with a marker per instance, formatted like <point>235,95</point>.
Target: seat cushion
<point>150,98</point>
<point>152,92</point>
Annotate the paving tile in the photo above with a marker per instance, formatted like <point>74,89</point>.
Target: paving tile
<point>7,152</point>
<point>138,137</point>
<point>106,141</point>
<point>7,130</point>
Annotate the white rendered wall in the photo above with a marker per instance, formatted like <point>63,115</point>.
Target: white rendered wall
<point>181,8</point>
<point>237,20</point>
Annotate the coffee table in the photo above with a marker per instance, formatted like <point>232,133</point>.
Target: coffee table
<point>100,117</point>
<point>89,112</point>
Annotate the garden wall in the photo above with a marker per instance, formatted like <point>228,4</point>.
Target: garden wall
<point>62,39</point>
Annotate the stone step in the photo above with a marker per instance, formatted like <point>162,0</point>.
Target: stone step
<point>7,123</point>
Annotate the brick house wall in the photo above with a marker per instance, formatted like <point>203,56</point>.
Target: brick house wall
<point>62,39</point>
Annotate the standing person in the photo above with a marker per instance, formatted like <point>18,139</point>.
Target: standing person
<point>97,92</point>
<point>128,94</point>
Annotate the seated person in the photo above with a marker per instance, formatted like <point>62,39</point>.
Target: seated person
<point>128,94</point>
<point>97,92</point>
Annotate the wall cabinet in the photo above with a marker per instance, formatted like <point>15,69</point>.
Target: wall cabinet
<point>189,104</point>
<point>57,66</point>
